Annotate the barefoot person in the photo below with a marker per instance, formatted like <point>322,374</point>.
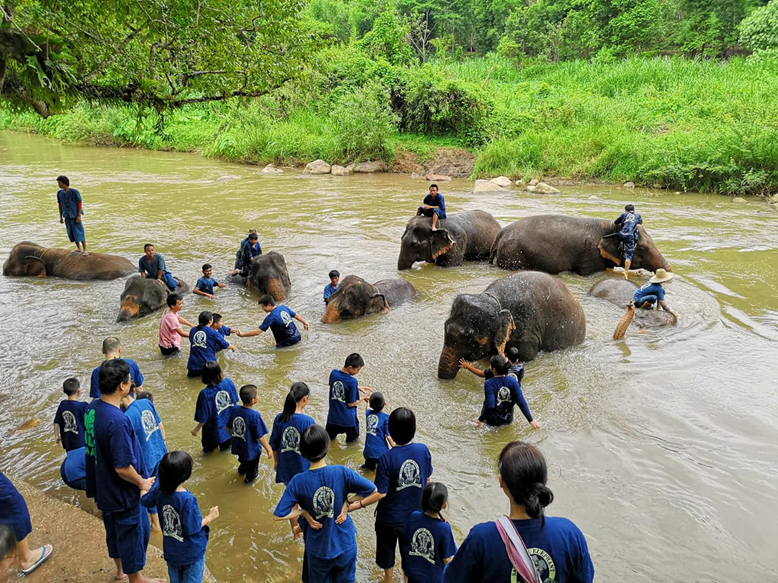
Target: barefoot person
<point>152,266</point>
<point>651,295</point>
<point>70,211</point>
<point>433,206</point>
<point>628,221</point>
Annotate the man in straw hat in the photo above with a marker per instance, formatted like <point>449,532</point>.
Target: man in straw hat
<point>649,296</point>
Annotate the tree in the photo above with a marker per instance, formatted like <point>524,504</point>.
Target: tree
<point>759,32</point>
<point>157,52</point>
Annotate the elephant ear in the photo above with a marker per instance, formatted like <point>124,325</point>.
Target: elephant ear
<point>505,327</point>
<point>34,266</point>
<point>609,248</point>
<point>440,242</point>
<point>377,304</point>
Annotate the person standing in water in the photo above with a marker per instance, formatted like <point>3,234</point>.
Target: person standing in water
<point>279,320</point>
<point>70,211</point>
<point>628,222</point>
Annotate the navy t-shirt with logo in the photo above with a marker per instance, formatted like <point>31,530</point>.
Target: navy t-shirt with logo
<point>558,549</point>
<point>401,474</point>
<point>70,418</point>
<point>280,323</point>
<point>135,375</point>
<point>213,408</point>
<point>376,432</point>
<point>629,224</point>
<point>344,389</point>
<point>500,395</point>
<point>184,538</point>
<point>285,441</point>
<point>247,428</point>
<point>430,540</point>
<point>206,284</point>
<point>204,343</point>
<point>146,423</point>
<point>322,492</point>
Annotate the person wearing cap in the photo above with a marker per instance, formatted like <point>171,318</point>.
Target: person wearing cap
<point>70,211</point>
<point>651,295</point>
<point>628,223</point>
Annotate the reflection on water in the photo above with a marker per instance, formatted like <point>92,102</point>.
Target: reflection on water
<point>662,446</point>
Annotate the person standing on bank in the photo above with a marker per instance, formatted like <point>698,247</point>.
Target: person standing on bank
<point>70,211</point>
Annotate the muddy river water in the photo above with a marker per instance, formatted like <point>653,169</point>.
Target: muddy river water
<point>663,448</point>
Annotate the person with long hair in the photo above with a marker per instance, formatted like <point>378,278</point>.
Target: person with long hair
<point>212,411</point>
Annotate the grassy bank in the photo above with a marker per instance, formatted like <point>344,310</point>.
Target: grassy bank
<point>672,123</point>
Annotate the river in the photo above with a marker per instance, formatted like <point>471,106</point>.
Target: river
<point>662,447</point>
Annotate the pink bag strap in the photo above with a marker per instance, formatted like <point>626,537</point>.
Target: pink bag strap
<point>517,551</point>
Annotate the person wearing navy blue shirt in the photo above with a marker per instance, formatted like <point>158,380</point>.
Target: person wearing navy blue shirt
<point>557,546</point>
<point>204,343</point>
<point>627,223</point>
<point>73,469</point>
<point>402,473</point>
<point>345,398</point>
<point>651,295</point>
<point>248,432</point>
<point>218,325</point>
<point>516,369</point>
<point>112,348</point>
<point>69,419</point>
<point>119,474</point>
<point>184,530</point>
<point>279,320</point>
<point>430,541</point>
<point>377,438</point>
<point>248,251</point>
<point>433,206</point>
<point>501,393</point>
<point>288,427</point>
<point>333,285</point>
<point>205,285</point>
<point>214,404</point>
<point>70,211</point>
<point>322,495</point>
<point>152,266</point>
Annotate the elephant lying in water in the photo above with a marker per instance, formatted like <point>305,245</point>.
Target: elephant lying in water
<point>142,295</point>
<point>355,297</point>
<point>619,292</point>
<point>466,236</point>
<point>529,310</point>
<point>30,259</point>
<point>556,243</point>
<point>269,275</point>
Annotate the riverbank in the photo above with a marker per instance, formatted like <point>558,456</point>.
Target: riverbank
<point>79,543</point>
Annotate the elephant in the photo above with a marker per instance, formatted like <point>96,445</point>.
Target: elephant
<point>33,260</point>
<point>355,298</point>
<point>466,236</point>
<point>269,275</point>
<point>619,292</point>
<point>529,310</point>
<point>556,243</point>
<point>143,295</point>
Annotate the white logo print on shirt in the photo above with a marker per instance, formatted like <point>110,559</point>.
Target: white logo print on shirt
<point>223,401</point>
<point>338,392</point>
<point>171,523</point>
<point>290,440</point>
<point>70,422</point>
<point>423,545</point>
<point>149,423</point>
<point>200,339</point>
<point>504,396</point>
<point>239,428</point>
<point>372,424</point>
<point>286,318</point>
<point>410,475</point>
<point>323,503</point>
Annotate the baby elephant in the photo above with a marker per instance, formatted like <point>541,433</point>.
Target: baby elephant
<point>619,292</point>
<point>355,298</point>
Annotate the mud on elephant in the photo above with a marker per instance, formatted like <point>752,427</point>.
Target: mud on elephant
<point>30,259</point>
<point>355,298</point>
<point>466,236</point>
<point>269,276</point>
<point>142,295</point>
<point>529,310</point>
<point>556,243</point>
<point>619,292</point>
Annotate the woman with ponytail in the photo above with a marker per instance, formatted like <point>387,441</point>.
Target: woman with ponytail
<point>288,426</point>
<point>557,546</point>
<point>430,541</point>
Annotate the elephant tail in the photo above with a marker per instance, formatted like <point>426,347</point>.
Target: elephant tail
<point>626,320</point>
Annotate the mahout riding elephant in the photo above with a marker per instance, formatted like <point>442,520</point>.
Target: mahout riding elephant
<point>30,259</point>
<point>529,310</point>
<point>466,236</point>
<point>143,295</point>
<point>355,298</point>
<point>619,292</point>
<point>556,243</point>
<point>269,275</point>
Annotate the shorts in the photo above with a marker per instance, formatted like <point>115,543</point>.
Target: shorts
<point>430,212</point>
<point>127,536</point>
<point>14,512</point>
<point>249,468</point>
<point>91,479</point>
<point>352,433</point>
<point>371,464</point>
<point>210,440</point>
<point>341,569</point>
<point>628,245</point>
<point>386,540</point>
<point>75,230</point>
<point>646,302</point>
<point>170,351</point>
<point>194,373</point>
<point>73,469</point>
<point>289,341</point>
<point>191,573</point>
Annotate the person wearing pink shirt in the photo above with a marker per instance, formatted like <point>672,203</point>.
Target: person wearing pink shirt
<point>170,330</point>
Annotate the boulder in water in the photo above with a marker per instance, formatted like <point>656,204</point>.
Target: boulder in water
<point>342,170</point>
<point>270,169</point>
<point>370,167</point>
<point>502,181</point>
<point>318,167</point>
<point>487,186</point>
<point>438,178</point>
<point>543,188</point>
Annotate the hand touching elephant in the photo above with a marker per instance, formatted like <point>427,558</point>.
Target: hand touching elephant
<point>355,297</point>
<point>269,275</point>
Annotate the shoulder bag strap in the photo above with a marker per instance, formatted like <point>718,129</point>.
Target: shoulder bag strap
<point>517,551</point>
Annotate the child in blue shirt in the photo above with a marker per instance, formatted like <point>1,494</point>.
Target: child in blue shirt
<point>184,530</point>
<point>430,541</point>
<point>279,320</point>
<point>112,348</point>
<point>205,285</point>
<point>322,495</point>
<point>204,343</point>
<point>248,430</point>
<point>402,473</point>
<point>433,206</point>
<point>376,432</point>
<point>516,369</point>
<point>69,419</point>
<point>501,393</point>
<point>333,285</point>
<point>214,405</point>
<point>218,325</point>
<point>345,398</point>
<point>628,222</point>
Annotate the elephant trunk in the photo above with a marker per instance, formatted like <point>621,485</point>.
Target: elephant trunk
<point>404,262</point>
<point>331,314</point>
<point>626,320</point>
<point>448,365</point>
<point>276,289</point>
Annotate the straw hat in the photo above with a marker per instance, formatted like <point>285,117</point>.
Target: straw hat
<point>661,276</point>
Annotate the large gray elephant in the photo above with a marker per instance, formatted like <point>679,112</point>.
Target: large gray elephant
<point>556,243</point>
<point>30,259</point>
<point>355,297</point>
<point>619,292</point>
<point>143,295</point>
<point>466,236</point>
<point>529,310</point>
<point>269,275</point>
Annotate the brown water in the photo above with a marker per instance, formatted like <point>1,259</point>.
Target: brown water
<point>662,448</point>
